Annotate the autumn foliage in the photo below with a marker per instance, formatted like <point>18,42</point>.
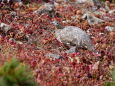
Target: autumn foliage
<point>32,37</point>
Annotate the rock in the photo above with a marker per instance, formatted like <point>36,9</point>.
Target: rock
<point>92,2</point>
<point>111,67</point>
<point>55,56</point>
<point>8,1</point>
<point>73,36</point>
<point>46,8</point>
<point>17,0</point>
<point>72,50</point>
<point>79,12</point>
<point>100,12</point>
<point>92,20</point>
<point>20,36</point>
<point>112,36</point>
<point>13,13</point>
<point>16,3</point>
<point>112,11</point>
<point>12,40</point>
<point>96,66</point>
<point>4,27</point>
<point>83,1</point>
<point>107,5</point>
<point>109,28</point>
<point>63,1</point>
<point>97,3</point>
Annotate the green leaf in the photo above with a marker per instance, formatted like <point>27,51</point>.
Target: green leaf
<point>107,83</point>
<point>14,73</point>
<point>113,74</point>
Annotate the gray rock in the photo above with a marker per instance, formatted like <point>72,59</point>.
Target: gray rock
<point>20,3</point>
<point>109,28</point>
<point>73,36</point>
<point>54,56</point>
<point>83,1</point>
<point>92,20</point>
<point>13,13</point>
<point>17,0</point>
<point>4,27</point>
<point>96,3</point>
<point>45,8</point>
<point>10,1</point>
<point>66,0</point>
<point>72,50</point>
<point>112,11</point>
<point>107,5</point>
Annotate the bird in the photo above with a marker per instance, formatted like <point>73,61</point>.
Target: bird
<point>92,20</point>
<point>72,37</point>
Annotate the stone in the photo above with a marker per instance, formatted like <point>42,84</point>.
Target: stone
<point>8,1</point>
<point>83,1</point>
<point>92,2</point>
<point>72,50</point>
<point>13,13</point>
<point>54,56</point>
<point>111,11</point>
<point>46,8</point>
<point>107,5</point>
<point>96,66</point>
<point>110,28</point>
<point>92,20</point>
<point>4,27</point>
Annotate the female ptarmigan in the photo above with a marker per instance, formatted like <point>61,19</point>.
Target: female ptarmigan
<point>73,36</point>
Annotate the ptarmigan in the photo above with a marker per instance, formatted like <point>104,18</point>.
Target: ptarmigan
<point>73,36</point>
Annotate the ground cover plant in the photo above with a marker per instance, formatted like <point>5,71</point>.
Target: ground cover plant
<point>13,73</point>
<point>31,37</point>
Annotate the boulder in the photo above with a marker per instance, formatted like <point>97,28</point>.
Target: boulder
<point>92,20</point>
<point>4,27</point>
<point>54,56</point>
<point>110,28</point>
<point>10,1</point>
<point>46,8</point>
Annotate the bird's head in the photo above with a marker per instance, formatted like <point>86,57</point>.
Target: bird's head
<point>57,24</point>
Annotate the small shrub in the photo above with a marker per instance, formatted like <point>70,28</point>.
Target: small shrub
<point>14,73</point>
<point>113,80</point>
